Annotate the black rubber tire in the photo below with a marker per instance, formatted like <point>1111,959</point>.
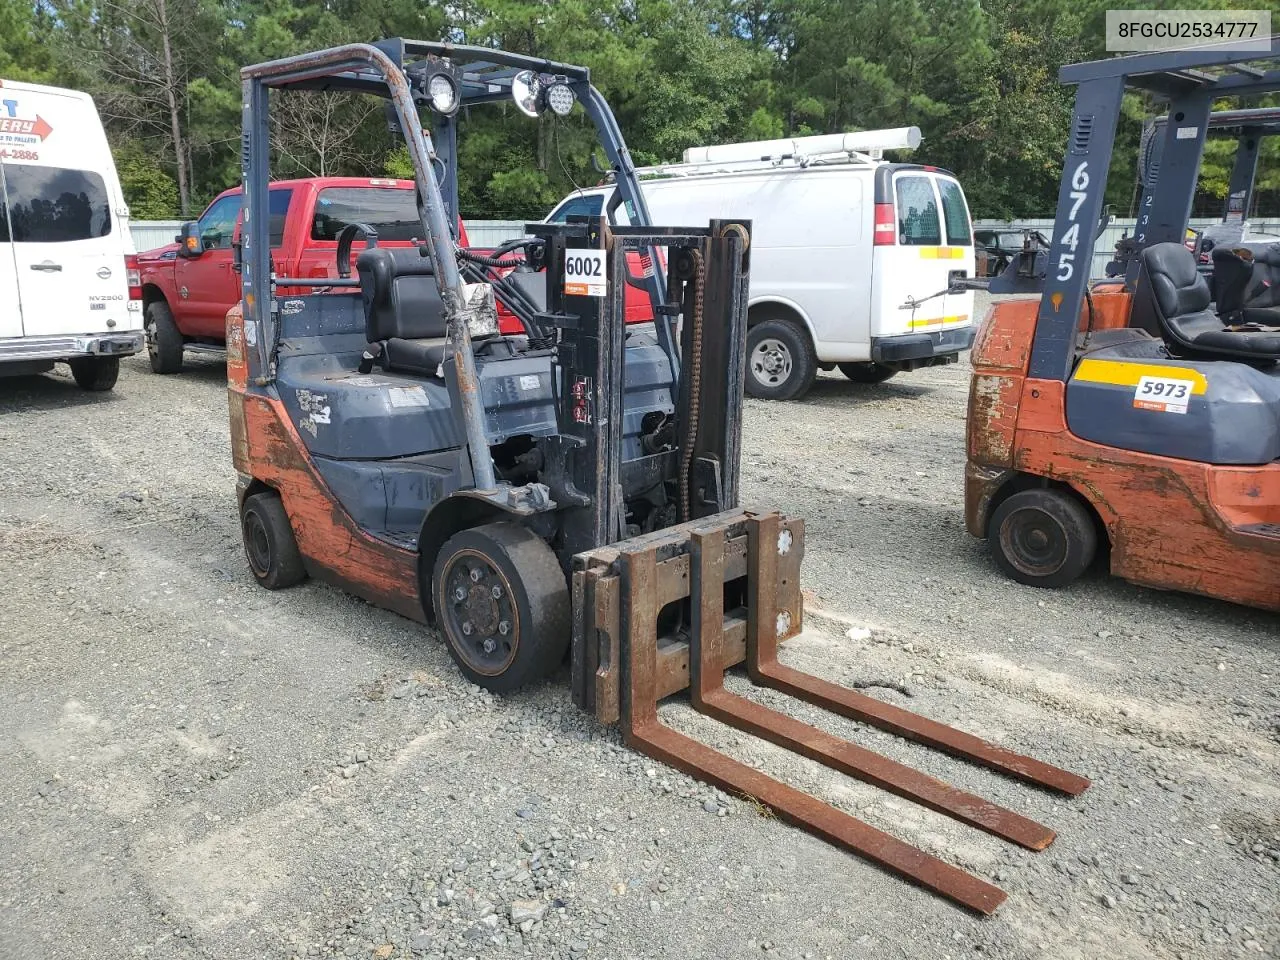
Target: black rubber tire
<point>269,544</point>
<point>98,374</point>
<point>533,592</point>
<point>1043,537</point>
<point>792,351</point>
<point>164,341</point>
<point>867,372</point>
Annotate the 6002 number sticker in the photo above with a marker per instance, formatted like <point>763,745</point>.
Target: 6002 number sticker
<point>584,273</point>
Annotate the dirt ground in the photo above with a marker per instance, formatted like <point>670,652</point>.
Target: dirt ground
<point>193,766</point>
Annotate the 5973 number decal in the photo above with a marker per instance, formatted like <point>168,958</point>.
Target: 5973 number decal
<point>1163,394</point>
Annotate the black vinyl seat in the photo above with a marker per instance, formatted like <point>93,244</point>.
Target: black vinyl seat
<point>1246,284</point>
<point>1189,327</point>
<point>402,309</point>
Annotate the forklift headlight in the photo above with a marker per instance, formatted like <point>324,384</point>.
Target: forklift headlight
<point>560,99</point>
<point>443,92</point>
<point>525,88</point>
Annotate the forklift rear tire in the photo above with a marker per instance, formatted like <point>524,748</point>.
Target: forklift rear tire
<point>1042,537</point>
<point>502,603</point>
<point>269,543</point>
<point>95,373</point>
<point>867,372</point>
<point>164,341</point>
<point>781,363</point>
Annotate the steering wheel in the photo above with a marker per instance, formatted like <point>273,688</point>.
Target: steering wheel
<point>346,238</point>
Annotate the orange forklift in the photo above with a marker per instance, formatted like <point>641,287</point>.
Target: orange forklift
<point>1142,411</point>
<point>570,492</point>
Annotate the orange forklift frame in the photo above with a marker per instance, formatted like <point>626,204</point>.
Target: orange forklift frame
<point>1172,524</point>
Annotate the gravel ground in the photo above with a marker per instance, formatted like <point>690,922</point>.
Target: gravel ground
<point>193,766</point>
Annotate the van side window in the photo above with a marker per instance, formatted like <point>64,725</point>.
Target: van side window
<point>954,213</point>
<point>579,206</point>
<point>219,222</point>
<point>917,212</point>
<point>54,205</point>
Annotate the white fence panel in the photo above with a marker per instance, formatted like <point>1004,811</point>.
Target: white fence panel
<point>491,233</point>
<point>149,234</point>
<point>1104,250</point>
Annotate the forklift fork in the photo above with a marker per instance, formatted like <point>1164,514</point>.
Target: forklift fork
<point>718,564</point>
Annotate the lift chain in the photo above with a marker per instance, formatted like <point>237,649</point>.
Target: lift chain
<point>694,367</point>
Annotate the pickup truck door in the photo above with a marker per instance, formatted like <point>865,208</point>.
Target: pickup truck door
<point>207,286</point>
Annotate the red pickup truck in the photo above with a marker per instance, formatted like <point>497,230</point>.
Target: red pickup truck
<point>188,289</point>
<point>187,292</point>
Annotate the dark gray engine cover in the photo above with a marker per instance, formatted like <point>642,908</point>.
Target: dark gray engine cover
<point>1232,413</point>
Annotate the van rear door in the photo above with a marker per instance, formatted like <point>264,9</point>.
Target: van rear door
<point>957,231</point>
<point>10,305</point>
<point>917,248</point>
<point>70,268</point>
<point>66,218</point>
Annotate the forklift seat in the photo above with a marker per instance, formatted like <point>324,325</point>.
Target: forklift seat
<point>402,310</point>
<point>1189,327</point>
<point>1246,284</point>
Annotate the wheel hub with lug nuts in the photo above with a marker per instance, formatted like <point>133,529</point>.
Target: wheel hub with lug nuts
<point>480,615</point>
<point>771,361</point>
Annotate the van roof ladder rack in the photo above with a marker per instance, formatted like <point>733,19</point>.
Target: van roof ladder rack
<point>862,147</point>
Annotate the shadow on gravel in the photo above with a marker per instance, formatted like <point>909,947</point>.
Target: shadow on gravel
<point>21,394</point>
<point>830,391</point>
<point>200,370</point>
<point>928,536</point>
<point>1263,628</point>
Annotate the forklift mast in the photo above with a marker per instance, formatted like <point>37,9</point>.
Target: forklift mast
<point>1248,127</point>
<point>1189,81</point>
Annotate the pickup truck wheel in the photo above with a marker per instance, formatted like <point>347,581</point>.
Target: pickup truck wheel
<point>164,342</point>
<point>867,372</point>
<point>269,543</point>
<point>502,604</point>
<point>781,363</point>
<point>96,373</point>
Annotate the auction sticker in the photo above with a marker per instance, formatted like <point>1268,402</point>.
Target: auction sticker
<point>584,274</point>
<point>1163,394</point>
<point>408,397</point>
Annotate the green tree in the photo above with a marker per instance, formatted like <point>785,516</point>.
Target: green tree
<point>152,194</point>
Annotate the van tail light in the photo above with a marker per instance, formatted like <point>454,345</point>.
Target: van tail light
<point>133,276</point>
<point>886,225</point>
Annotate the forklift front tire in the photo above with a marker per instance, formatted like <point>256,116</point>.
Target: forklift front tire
<point>269,543</point>
<point>502,604</point>
<point>1042,537</point>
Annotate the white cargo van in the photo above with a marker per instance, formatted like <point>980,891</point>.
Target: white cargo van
<point>850,254</point>
<point>69,289</point>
